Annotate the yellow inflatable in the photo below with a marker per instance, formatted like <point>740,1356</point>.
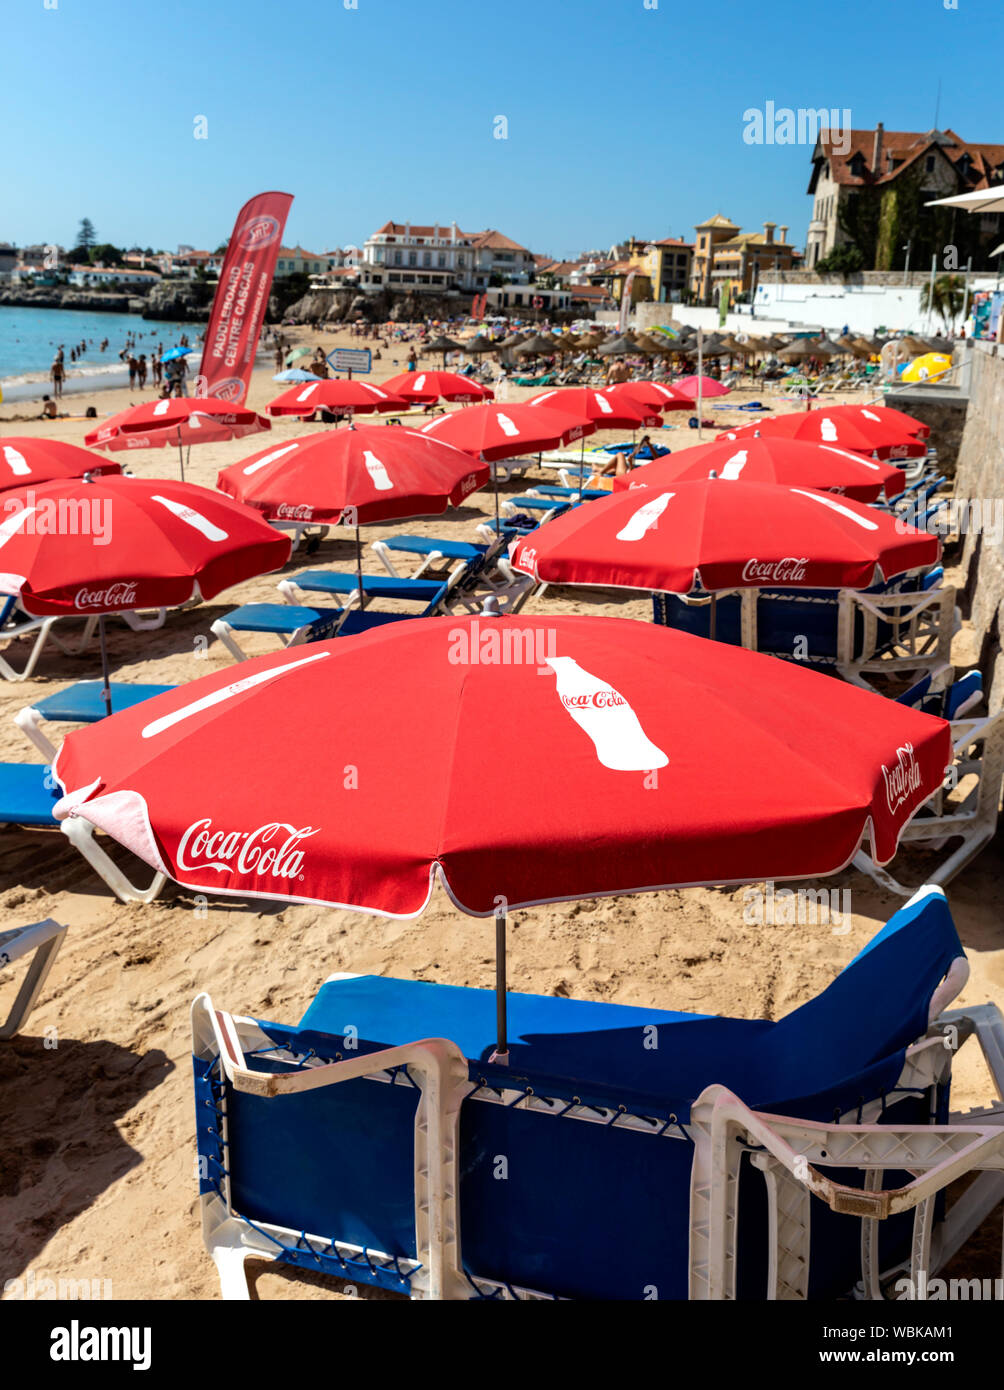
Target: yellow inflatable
<point>927,367</point>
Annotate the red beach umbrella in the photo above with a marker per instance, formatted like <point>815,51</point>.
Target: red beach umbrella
<point>856,432</point>
<point>358,396</point>
<point>698,763</point>
<point>380,474</point>
<point>425,388</point>
<point>600,407</point>
<point>772,460</point>
<point>498,431</point>
<point>651,394</point>
<point>723,535</point>
<point>705,386</point>
<point>118,544</point>
<point>177,420</point>
<point>25,459</point>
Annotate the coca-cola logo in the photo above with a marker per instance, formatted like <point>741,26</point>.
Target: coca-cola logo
<point>120,595</point>
<point>270,849</point>
<point>258,232</point>
<point>288,511</point>
<point>528,557</point>
<point>469,484</point>
<point>790,570</point>
<point>902,779</point>
<point>598,699</point>
<point>232,389</point>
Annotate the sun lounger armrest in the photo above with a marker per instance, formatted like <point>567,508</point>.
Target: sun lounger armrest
<point>937,1153</point>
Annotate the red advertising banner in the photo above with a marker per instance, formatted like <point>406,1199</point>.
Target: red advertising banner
<point>242,297</point>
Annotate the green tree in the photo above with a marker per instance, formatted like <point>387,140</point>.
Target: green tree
<point>843,259</point>
<point>87,236</point>
<point>944,298</point>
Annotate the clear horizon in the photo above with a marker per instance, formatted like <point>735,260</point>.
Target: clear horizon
<point>621,117</point>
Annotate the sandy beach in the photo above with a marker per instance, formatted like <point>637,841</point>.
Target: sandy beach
<point>97,1175</point>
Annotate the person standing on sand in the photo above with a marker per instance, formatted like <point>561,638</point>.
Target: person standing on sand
<point>412,361</point>
<point>133,371</point>
<point>156,368</point>
<point>141,370</point>
<point>57,374</point>
<point>279,357</point>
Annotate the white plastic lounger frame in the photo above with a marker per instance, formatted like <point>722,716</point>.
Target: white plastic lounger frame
<point>923,627</point>
<point>439,1071</point>
<point>793,1156</point>
<point>974,818</point>
<point>80,834</point>
<point>44,629</point>
<point>42,940</point>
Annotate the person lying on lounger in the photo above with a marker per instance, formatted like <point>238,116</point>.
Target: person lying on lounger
<point>623,463</point>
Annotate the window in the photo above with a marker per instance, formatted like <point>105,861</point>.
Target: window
<point>397,257</point>
<point>427,258</point>
<point>929,163</point>
<point>393,278</point>
<point>413,258</point>
<point>442,258</point>
<point>378,279</point>
<point>282,265</point>
<point>461,259</point>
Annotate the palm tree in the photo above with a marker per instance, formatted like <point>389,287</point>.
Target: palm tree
<point>944,298</point>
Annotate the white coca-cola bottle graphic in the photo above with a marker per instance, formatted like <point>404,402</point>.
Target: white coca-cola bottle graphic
<point>644,518</point>
<point>621,743</point>
<point>376,470</point>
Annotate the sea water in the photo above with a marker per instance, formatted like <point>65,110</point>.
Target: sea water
<point>29,338</point>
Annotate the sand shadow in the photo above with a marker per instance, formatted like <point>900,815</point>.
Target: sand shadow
<point>61,1111</point>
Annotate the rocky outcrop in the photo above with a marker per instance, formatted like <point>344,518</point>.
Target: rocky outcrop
<point>347,305</point>
<point>64,298</point>
<point>181,301</point>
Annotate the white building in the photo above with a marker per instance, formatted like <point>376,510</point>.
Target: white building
<point>92,276</point>
<point>441,260</point>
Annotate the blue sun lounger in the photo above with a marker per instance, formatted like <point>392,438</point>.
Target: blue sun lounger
<point>296,621</point>
<point>906,625</point>
<point>79,703</point>
<point>28,792</point>
<point>622,1153</point>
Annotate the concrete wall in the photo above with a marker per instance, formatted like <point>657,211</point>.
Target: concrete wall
<point>980,474</point>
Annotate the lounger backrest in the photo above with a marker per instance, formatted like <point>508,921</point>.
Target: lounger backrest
<point>875,1008</point>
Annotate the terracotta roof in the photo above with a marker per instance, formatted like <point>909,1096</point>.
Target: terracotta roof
<point>401,228</point>
<point>905,147</point>
<point>298,253</point>
<point>495,241</point>
<point>675,241</point>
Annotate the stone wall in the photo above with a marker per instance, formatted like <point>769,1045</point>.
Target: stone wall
<point>980,475</point>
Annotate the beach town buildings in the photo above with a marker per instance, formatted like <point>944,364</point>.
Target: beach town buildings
<point>438,259</point>
<point>725,255</point>
<point>869,189</point>
<point>294,260</point>
<point>93,276</point>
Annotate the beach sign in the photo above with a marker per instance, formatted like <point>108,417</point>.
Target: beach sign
<point>351,360</point>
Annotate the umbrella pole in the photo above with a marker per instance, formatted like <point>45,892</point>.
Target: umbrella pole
<point>495,491</point>
<point>582,463</point>
<point>106,688</point>
<point>700,370</point>
<point>359,569</point>
<point>181,456</point>
<point>712,618</point>
<point>501,1054</point>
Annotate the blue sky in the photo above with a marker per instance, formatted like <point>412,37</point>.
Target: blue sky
<point>623,118</point>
